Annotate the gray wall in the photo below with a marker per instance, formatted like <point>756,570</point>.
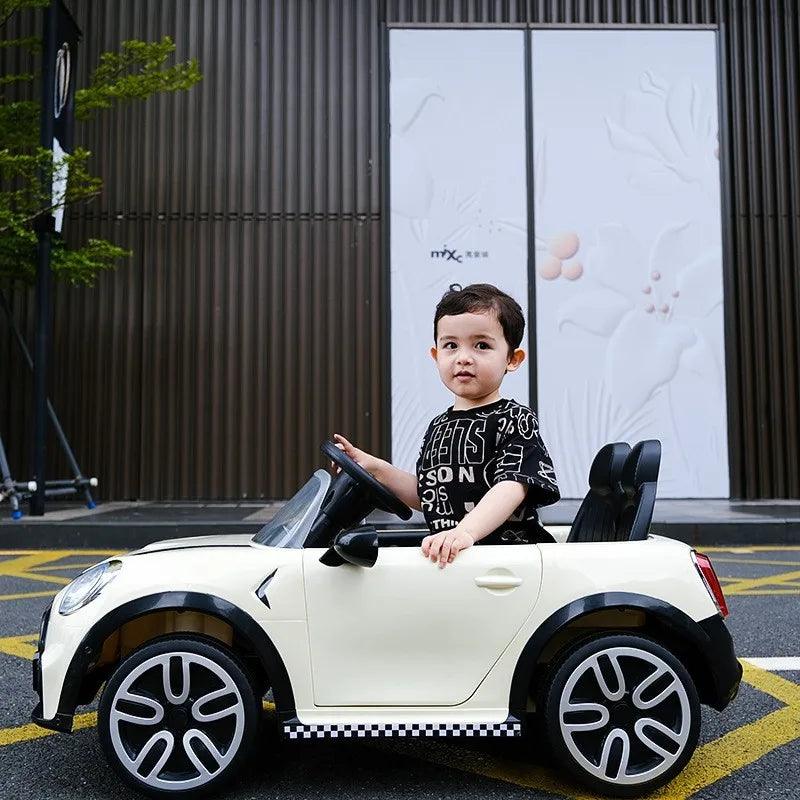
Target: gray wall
<point>250,322</point>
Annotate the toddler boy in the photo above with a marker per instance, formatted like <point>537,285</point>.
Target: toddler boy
<point>483,469</point>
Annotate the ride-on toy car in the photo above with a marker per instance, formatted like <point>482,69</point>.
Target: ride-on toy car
<point>605,644</point>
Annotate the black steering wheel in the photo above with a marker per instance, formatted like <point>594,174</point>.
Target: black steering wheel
<point>382,497</point>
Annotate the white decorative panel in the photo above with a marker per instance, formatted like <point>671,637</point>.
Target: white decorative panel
<point>457,198</point>
<point>629,316</point>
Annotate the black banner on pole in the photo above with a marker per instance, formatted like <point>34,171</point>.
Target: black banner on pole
<point>60,42</point>
<point>62,108</point>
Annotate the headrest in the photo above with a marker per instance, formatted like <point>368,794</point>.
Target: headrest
<point>607,467</point>
<point>642,465</point>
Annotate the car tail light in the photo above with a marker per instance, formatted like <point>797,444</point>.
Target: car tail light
<point>706,570</point>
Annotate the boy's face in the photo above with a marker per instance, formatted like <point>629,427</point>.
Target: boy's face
<point>471,354</point>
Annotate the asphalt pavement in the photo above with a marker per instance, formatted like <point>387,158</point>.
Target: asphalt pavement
<point>751,750</point>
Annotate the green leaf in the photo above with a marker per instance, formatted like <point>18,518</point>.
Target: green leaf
<point>32,43</point>
<point>136,72</point>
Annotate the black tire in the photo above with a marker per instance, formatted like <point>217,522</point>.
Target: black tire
<point>642,663</point>
<point>212,669</point>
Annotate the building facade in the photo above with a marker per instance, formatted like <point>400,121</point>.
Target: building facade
<point>253,319</point>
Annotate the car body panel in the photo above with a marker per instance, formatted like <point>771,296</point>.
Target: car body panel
<point>212,540</point>
<point>660,568</point>
<point>423,603</point>
<point>230,573</point>
<point>572,571</point>
<point>405,632</point>
<point>569,571</point>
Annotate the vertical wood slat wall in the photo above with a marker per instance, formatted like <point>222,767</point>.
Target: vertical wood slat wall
<point>249,323</point>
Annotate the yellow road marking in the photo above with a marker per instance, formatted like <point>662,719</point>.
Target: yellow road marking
<point>505,769</point>
<point>21,646</point>
<point>751,587</point>
<point>747,584</point>
<point>21,567</point>
<point>743,746</point>
<point>26,595</point>
<point>774,685</point>
<point>710,763</point>
<point>32,564</point>
<point>756,561</point>
<point>105,553</point>
<point>31,731</point>
<point>89,564</point>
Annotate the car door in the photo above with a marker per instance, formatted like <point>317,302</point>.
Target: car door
<point>406,633</point>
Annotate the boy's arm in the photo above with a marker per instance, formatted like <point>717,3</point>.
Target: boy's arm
<point>402,483</point>
<point>493,509</point>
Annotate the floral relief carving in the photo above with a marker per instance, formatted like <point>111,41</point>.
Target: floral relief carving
<point>650,297</point>
<point>647,307</point>
<point>671,133</point>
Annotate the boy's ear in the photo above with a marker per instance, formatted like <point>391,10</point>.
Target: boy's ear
<point>434,353</point>
<point>516,360</point>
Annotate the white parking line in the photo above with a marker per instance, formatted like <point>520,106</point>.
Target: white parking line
<point>779,664</point>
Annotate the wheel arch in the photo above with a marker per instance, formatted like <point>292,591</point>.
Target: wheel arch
<point>82,680</point>
<point>687,639</point>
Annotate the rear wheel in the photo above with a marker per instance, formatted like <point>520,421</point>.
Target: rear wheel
<point>622,714</point>
<point>178,717</point>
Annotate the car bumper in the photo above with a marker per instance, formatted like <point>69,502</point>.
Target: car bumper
<point>60,722</point>
<point>724,669</point>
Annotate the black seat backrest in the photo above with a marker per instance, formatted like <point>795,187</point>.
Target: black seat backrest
<point>597,516</point>
<point>639,479</point>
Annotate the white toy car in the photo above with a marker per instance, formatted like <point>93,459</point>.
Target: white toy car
<point>608,642</point>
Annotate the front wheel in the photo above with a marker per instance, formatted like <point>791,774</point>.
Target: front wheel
<point>178,717</point>
<point>622,714</point>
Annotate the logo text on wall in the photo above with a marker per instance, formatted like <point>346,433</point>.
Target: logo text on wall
<point>452,254</point>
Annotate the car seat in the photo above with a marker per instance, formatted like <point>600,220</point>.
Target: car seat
<point>639,479</point>
<point>596,520</point>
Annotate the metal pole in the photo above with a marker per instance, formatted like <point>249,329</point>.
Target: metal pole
<point>44,227</point>
<point>62,437</point>
<point>7,486</point>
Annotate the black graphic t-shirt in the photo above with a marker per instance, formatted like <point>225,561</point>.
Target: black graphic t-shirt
<point>465,453</point>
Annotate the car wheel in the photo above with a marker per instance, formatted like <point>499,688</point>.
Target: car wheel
<point>622,714</point>
<point>178,717</point>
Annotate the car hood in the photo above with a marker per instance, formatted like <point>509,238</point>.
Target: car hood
<point>219,540</point>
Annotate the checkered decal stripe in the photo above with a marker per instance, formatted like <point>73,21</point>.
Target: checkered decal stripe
<point>296,730</point>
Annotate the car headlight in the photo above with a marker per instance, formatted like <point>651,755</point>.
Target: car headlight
<point>87,586</point>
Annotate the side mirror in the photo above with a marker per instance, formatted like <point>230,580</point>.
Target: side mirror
<point>358,546</point>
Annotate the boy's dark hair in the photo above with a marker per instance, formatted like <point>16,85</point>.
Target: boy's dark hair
<point>478,297</point>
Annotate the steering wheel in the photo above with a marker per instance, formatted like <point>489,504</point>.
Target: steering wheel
<point>383,498</point>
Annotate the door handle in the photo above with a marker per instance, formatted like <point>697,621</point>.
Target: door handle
<point>498,581</point>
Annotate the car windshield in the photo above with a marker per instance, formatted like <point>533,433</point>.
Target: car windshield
<point>290,526</point>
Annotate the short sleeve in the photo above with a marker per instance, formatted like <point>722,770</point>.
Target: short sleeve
<point>523,457</point>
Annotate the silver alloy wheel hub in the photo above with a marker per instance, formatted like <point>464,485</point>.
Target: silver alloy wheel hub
<point>625,715</point>
<point>176,721</point>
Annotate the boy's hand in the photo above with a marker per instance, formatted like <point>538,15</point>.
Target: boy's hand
<point>445,546</point>
<point>369,462</point>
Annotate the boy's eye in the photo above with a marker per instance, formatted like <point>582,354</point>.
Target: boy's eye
<point>482,345</point>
